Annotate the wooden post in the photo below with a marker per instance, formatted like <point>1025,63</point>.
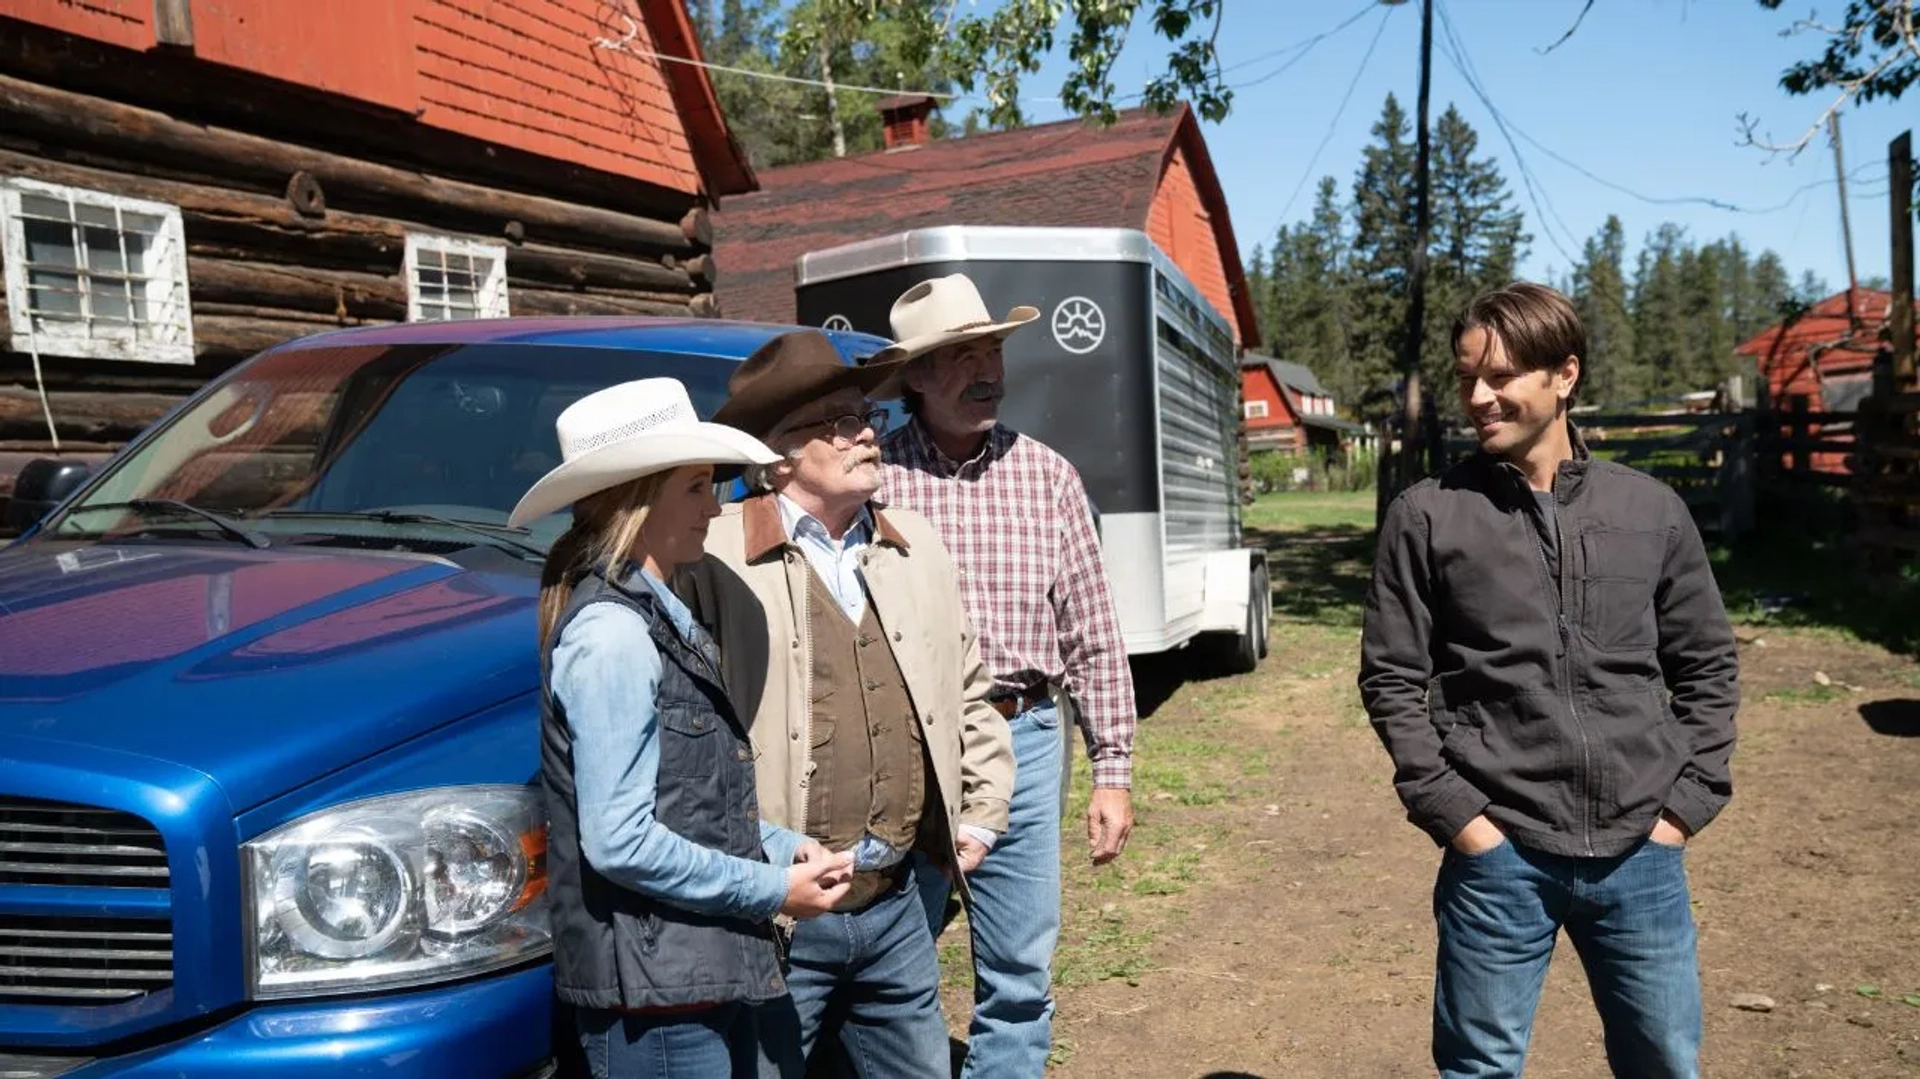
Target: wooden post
<point>1799,426</point>
<point>1900,319</point>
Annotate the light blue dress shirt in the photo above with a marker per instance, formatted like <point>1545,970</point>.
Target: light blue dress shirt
<point>606,674</point>
<point>836,561</point>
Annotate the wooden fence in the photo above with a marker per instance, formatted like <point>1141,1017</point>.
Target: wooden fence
<point>1887,475</point>
<point>1719,462</point>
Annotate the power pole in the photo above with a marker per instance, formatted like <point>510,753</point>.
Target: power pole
<point>1846,223</point>
<point>1411,427</point>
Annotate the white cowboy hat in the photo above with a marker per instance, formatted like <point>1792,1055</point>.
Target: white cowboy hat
<point>944,311</point>
<point>628,431</point>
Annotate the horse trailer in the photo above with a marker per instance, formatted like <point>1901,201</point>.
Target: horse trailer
<point>1132,376</point>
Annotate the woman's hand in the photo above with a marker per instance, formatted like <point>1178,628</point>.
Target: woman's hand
<point>816,881</point>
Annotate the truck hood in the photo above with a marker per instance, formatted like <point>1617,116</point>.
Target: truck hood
<point>263,670</point>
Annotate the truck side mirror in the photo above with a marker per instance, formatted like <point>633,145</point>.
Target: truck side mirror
<point>42,484</point>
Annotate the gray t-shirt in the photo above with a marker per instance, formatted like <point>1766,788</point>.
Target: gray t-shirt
<point>1549,532</point>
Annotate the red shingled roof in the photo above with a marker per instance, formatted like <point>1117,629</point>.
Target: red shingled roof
<point>1066,174</point>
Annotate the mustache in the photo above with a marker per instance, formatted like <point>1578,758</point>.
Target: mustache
<point>860,456</point>
<point>984,391</point>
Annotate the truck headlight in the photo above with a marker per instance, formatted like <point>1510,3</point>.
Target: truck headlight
<point>398,890</point>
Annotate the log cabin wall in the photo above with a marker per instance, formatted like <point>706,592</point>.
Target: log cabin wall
<point>322,169</point>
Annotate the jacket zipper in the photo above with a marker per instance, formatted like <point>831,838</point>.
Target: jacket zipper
<point>1559,593</point>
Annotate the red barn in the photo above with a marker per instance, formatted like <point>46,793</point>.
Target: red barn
<point>1287,409</point>
<point>1147,172</point>
<point>184,182</point>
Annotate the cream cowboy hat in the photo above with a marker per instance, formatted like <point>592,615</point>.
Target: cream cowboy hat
<point>628,431</point>
<point>944,311</point>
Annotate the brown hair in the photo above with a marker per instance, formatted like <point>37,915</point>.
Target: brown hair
<point>605,532</point>
<point>1538,325</point>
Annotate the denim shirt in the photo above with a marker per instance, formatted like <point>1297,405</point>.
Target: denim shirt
<point>606,671</point>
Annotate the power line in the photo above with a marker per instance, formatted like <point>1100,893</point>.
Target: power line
<point>1457,55</point>
<point>1308,43</point>
<point>1334,123</point>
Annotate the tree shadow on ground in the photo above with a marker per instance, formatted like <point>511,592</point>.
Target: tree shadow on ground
<point>1319,575</point>
<point>1803,566</point>
<point>1895,719</point>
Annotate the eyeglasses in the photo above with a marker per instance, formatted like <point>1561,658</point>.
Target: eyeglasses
<point>849,427</point>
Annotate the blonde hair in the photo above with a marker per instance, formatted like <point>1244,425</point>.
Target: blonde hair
<point>605,532</point>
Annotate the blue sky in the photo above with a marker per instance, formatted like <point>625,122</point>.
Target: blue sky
<point>1646,96</point>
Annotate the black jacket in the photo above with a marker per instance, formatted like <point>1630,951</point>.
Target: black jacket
<point>1570,692</point>
<point>616,948</point>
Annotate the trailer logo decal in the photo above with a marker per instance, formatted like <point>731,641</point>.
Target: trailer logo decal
<point>1079,325</point>
<point>837,322</point>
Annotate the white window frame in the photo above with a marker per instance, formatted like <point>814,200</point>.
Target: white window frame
<point>169,310</point>
<point>1256,409</point>
<point>490,300</point>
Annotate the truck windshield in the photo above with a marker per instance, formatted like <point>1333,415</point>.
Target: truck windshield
<point>374,441</point>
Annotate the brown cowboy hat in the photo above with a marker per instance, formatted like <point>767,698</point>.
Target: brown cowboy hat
<point>789,371</point>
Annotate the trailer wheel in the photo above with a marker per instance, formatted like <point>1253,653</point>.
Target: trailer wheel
<point>1241,652</point>
<point>1263,596</point>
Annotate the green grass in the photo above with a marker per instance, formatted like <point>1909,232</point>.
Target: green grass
<point>1310,511</point>
<point>1815,694</point>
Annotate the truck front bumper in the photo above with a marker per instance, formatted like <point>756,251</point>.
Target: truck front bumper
<point>492,1028</point>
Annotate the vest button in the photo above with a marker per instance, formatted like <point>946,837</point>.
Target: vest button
<point>896,634</point>
<point>741,754</point>
<point>928,719</point>
<point>794,735</point>
<point>796,642</point>
<point>699,724</point>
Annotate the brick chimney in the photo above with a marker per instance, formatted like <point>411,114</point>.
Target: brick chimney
<point>905,118</point>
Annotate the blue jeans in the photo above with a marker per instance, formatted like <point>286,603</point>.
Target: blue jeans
<point>876,971</point>
<point>1015,917</point>
<point>714,1043</point>
<point>1627,916</point>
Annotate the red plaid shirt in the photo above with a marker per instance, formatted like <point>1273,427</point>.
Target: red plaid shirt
<point>1017,521</point>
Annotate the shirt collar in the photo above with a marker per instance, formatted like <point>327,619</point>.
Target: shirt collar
<point>996,443</point>
<point>795,520</point>
<point>764,529</point>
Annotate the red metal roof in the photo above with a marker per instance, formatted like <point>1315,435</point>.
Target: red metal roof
<point>1066,174</point>
<point>1825,324</point>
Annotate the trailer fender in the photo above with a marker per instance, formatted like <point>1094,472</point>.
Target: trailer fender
<point>1227,595</point>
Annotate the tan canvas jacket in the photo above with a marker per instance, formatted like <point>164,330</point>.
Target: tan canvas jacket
<point>750,591</point>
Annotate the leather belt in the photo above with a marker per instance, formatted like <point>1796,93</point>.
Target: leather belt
<point>1019,700</point>
<point>871,885</point>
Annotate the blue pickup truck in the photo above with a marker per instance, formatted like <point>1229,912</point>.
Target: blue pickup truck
<point>269,712</point>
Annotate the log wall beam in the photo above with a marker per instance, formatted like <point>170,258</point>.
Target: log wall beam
<point>60,117</point>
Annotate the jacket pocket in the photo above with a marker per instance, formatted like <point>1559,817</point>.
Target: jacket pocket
<point>690,744</point>
<point>1641,753</point>
<point>1622,571</point>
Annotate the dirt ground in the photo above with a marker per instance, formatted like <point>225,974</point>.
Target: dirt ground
<point>1272,916</point>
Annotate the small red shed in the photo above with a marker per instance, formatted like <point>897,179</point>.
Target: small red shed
<point>1823,360</point>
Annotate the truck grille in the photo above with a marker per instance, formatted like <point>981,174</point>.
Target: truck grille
<point>57,843</point>
<point>81,958</point>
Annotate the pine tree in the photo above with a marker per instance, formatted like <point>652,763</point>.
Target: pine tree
<point>1610,374</point>
<point>1659,320</point>
<point>1382,246</point>
<point>1307,297</point>
<point>1477,240</point>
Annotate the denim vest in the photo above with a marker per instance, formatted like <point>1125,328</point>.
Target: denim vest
<point>616,948</point>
